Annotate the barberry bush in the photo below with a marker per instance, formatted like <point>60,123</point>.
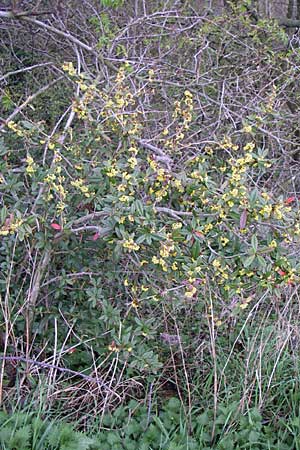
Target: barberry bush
<point>155,216</point>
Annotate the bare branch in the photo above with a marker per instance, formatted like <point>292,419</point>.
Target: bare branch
<point>27,101</point>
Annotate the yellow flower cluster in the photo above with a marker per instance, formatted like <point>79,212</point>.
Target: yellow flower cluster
<point>269,108</point>
<point>112,172</point>
<point>130,245</point>
<point>55,181</point>
<point>79,108</point>
<point>247,129</point>
<point>81,186</point>
<point>132,161</point>
<point>191,291</point>
<point>176,226</point>
<point>30,166</point>
<point>183,111</point>
<point>69,68</point>
<point>221,271</point>
<point>117,106</point>
<point>167,248</point>
<point>161,262</point>
<point>151,75</point>
<point>13,126</point>
<point>11,226</point>
<point>227,144</point>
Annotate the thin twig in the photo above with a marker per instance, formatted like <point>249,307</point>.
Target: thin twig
<point>45,365</point>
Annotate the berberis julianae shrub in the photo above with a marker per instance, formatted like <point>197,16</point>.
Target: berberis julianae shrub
<point>124,238</point>
<point>126,234</point>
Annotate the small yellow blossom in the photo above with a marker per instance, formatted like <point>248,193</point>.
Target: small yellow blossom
<point>113,348</point>
<point>224,240</point>
<point>216,263</point>
<point>174,266</point>
<point>124,198</point>
<point>273,244</point>
<point>132,162</point>
<point>190,292</point>
<point>122,187</point>
<point>112,172</point>
<point>69,68</point>
<point>247,129</point>
<point>130,245</point>
<point>177,226</point>
<point>135,303</point>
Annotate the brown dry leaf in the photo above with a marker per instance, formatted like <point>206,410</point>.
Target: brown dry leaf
<point>243,219</point>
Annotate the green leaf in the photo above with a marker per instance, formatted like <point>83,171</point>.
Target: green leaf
<point>254,243</point>
<point>261,261</point>
<point>196,249</point>
<point>253,436</point>
<point>248,261</point>
<point>253,196</point>
<point>3,214</point>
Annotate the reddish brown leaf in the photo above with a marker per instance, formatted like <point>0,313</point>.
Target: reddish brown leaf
<point>55,226</point>
<point>243,219</point>
<point>290,200</point>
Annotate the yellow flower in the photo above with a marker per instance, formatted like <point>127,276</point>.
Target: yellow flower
<point>69,67</point>
<point>176,226</point>
<point>174,266</point>
<point>207,228</point>
<point>266,210</point>
<point>190,292</point>
<point>155,260</point>
<point>132,162</point>
<point>249,147</point>
<point>135,303</point>
<point>31,167</point>
<point>130,245</point>
<point>124,198</point>
<point>150,74</point>
<point>247,129</point>
<point>113,348</point>
<point>188,94</point>
<point>121,187</point>
<point>278,212</point>
<point>133,150</point>
<point>243,305</point>
<point>224,240</point>
<point>112,172</point>
<point>216,264</point>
